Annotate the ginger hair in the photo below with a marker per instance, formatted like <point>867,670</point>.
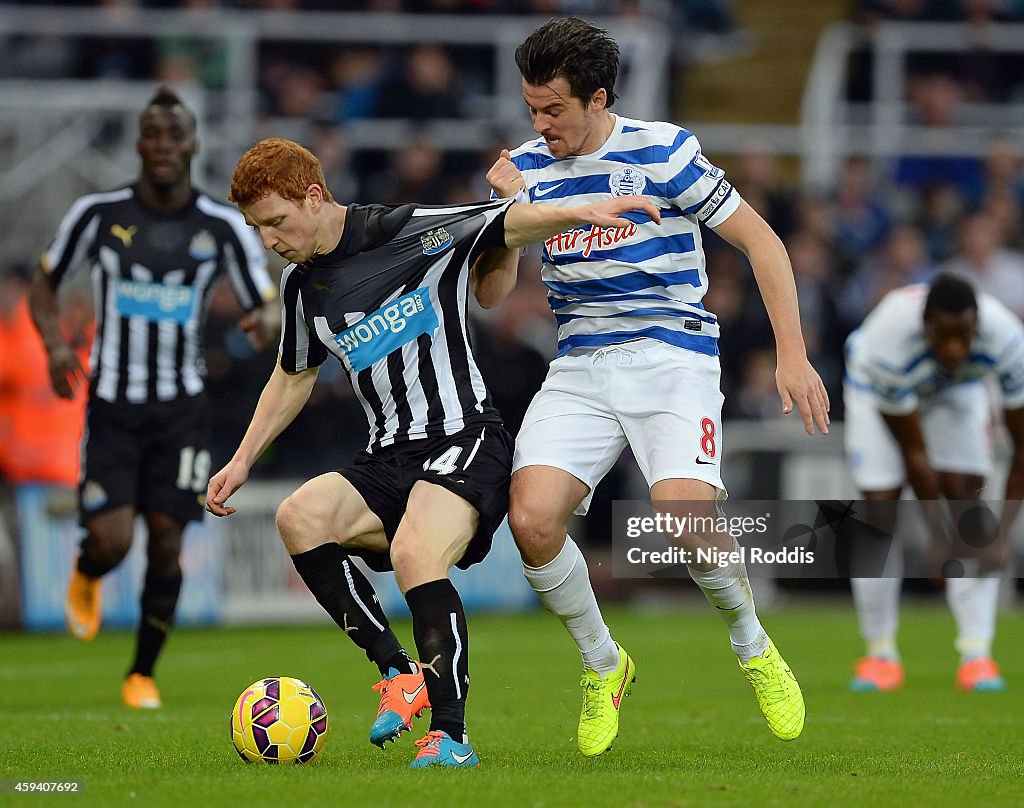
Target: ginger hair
<point>276,165</point>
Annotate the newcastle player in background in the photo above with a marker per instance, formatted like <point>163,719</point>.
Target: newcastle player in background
<point>155,249</point>
<point>384,289</point>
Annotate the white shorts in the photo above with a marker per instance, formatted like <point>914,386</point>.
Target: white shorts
<point>956,433</point>
<point>665,402</point>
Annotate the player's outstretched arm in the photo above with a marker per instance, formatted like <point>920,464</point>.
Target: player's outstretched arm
<point>504,177</point>
<point>909,435</point>
<point>494,275</point>
<point>66,372</point>
<point>528,224</point>
<point>282,398</point>
<point>495,272</point>
<point>1012,494</point>
<point>798,382</point>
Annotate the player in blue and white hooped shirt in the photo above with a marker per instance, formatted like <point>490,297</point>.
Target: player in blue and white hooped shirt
<point>637,354</point>
<point>384,290</point>
<point>917,412</point>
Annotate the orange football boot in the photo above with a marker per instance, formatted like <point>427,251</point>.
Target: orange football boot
<point>82,606</point>
<point>140,692</point>
<point>877,674</point>
<point>402,695</point>
<point>981,675</point>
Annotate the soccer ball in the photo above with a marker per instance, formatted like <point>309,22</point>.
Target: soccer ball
<point>279,720</point>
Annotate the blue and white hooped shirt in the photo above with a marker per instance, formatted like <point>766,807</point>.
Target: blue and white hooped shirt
<point>889,356</point>
<point>608,286</point>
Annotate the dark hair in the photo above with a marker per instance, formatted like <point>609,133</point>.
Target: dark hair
<point>583,55</point>
<point>168,99</point>
<point>951,295</point>
<point>276,165</point>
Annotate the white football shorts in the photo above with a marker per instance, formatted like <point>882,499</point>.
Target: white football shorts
<point>956,433</point>
<point>665,402</point>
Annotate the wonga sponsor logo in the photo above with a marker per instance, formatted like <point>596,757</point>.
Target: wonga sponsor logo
<point>154,301</point>
<point>387,329</point>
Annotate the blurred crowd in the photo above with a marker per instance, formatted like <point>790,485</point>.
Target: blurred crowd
<point>347,84</point>
<point>984,73</point>
<point>883,224</point>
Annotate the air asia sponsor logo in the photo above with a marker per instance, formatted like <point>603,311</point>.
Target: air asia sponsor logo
<point>584,240</point>
<point>154,301</point>
<point>389,328</point>
<point>435,241</point>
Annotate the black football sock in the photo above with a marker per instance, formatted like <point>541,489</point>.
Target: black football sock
<point>159,600</point>
<point>439,628</point>
<point>91,561</point>
<point>349,598</point>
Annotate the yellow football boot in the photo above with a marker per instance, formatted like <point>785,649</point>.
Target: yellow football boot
<point>777,691</point>
<point>599,719</point>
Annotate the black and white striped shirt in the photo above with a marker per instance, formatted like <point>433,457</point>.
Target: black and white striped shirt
<point>390,303</point>
<point>152,279</point>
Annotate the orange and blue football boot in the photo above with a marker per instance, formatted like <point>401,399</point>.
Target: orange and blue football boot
<point>402,696</point>
<point>877,674</point>
<point>438,749</point>
<point>980,675</point>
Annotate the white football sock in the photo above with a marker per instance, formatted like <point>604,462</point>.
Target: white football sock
<point>563,586</point>
<point>878,611</point>
<point>974,602</point>
<point>728,590</point>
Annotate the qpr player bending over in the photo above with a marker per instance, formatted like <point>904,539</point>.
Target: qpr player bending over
<point>917,412</point>
<point>384,290</point>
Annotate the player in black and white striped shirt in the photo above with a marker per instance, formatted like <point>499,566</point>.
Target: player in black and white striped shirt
<point>382,325</point>
<point>155,249</point>
<point>385,291</point>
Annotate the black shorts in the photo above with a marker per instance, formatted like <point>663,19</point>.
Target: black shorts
<point>475,463</point>
<point>152,457</point>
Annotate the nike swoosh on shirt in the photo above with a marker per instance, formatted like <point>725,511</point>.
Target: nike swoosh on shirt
<point>411,697</point>
<point>548,190</point>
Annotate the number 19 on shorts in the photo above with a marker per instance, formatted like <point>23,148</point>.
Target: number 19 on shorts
<point>193,469</point>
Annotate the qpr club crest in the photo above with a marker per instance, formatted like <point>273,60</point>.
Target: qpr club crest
<point>436,240</point>
<point>627,181</point>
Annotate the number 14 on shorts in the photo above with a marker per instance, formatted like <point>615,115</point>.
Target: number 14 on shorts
<point>448,461</point>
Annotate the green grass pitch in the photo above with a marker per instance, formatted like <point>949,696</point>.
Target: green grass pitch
<point>690,733</point>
